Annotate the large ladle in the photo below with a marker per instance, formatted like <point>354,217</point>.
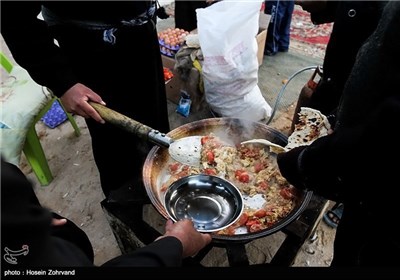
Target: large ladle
<point>185,150</point>
<point>275,148</point>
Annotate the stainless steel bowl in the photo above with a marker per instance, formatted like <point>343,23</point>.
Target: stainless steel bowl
<point>212,203</point>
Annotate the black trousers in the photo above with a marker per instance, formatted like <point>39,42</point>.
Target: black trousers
<point>185,14</point>
<point>72,233</point>
<point>116,72</point>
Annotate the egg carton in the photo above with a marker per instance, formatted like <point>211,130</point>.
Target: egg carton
<point>168,50</point>
<point>54,116</point>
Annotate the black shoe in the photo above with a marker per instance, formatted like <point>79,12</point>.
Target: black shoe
<point>283,50</point>
<point>269,53</point>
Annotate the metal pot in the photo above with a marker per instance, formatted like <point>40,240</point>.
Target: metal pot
<point>235,130</point>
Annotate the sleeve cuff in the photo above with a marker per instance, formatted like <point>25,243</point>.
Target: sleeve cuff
<point>290,166</point>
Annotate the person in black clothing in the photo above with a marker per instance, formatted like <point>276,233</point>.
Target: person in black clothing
<point>185,13</point>
<point>33,237</point>
<point>354,22</point>
<point>105,52</point>
<point>354,164</point>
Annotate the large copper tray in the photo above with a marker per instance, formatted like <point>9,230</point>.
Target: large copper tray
<point>235,130</point>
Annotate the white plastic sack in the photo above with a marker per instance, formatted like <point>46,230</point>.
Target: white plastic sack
<point>227,34</point>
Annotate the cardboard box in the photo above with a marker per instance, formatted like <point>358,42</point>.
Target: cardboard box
<point>261,38</point>
<point>176,84</point>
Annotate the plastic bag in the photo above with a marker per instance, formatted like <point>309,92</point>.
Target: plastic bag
<point>184,104</point>
<point>227,34</point>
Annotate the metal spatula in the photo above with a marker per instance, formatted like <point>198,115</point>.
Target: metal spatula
<point>185,150</point>
<point>275,148</point>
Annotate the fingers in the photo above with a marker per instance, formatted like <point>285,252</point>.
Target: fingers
<point>207,238</point>
<point>75,100</point>
<point>192,240</point>
<point>92,113</point>
<point>168,225</point>
<point>58,222</point>
<point>88,111</point>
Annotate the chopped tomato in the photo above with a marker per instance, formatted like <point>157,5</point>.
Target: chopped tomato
<point>256,227</point>
<point>210,157</point>
<point>258,166</point>
<point>263,185</point>
<point>173,167</point>
<point>164,187</point>
<point>242,176</point>
<point>286,193</point>
<point>261,213</point>
<point>251,222</point>
<point>204,139</point>
<point>238,172</point>
<point>242,220</point>
<point>185,168</point>
<point>210,171</point>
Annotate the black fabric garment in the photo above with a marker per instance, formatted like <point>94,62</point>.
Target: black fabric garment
<point>114,71</point>
<point>354,22</point>
<point>24,222</point>
<point>72,233</point>
<point>185,14</point>
<point>354,164</point>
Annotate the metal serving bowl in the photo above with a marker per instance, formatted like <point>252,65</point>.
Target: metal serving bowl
<point>212,203</point>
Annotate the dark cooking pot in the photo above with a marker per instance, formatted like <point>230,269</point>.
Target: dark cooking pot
<point>235,130</point>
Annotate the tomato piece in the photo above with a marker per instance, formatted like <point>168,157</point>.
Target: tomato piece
<point>258,166</point>
<point>249,223</point>
<point>210,157</point>
<point>210,171</point>
<point>204,139</point>
<point>263,185</point>
<point>286,193</point>
<point>183,172</point>
<point>173,167</point>
<point>164,187</point>
<point>260,213</point>
<point>256,227</point>
<point>242,220</point>
<point>244,177</point>
<point>238,173</point>
<point>185,168</point>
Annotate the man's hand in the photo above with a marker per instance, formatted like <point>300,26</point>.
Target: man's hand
<point>75,100</point>
<point>192,240</point>
<point>58,222</point>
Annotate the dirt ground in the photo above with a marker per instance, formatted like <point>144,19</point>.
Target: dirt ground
<point>75,191</point>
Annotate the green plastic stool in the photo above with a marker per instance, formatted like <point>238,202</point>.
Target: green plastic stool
<point>32,147</point>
